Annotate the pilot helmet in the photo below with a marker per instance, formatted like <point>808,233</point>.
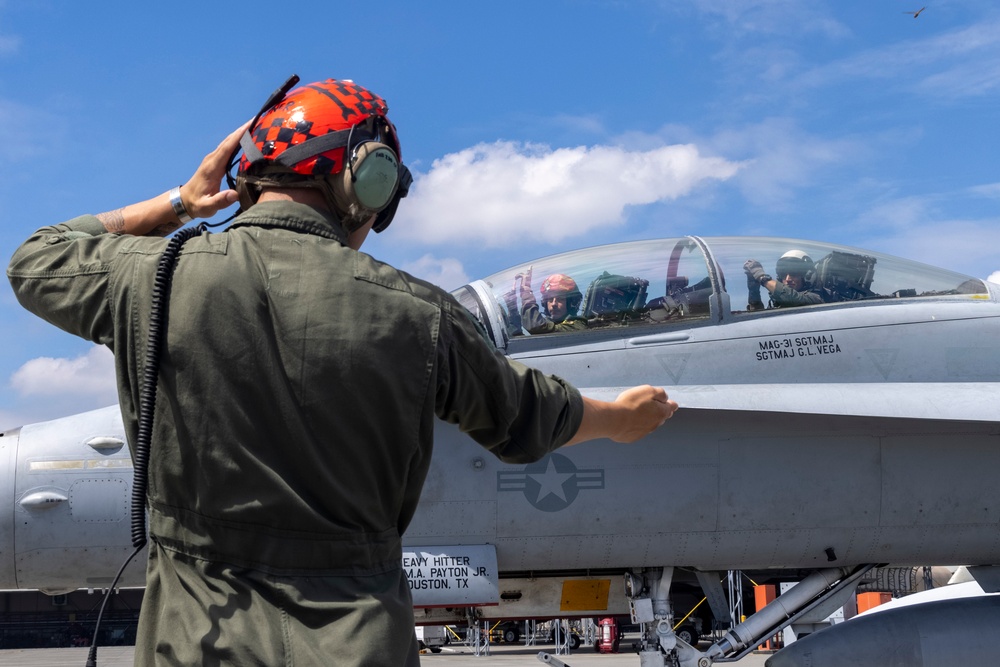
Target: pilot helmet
<point>559,284</point>
<point>796,263</point>
<point>333,135</point>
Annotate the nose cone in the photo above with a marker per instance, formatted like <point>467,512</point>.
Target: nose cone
<point>935,634</point>
<point>845,645</point>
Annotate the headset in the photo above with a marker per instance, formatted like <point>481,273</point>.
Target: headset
<point>372,178</point>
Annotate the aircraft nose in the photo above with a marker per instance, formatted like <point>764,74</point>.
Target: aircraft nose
<point>849,646</point>
<point>780,660</point>
<point>815,653</point>
<point>934,634</point>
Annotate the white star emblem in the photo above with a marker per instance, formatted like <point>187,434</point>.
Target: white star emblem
<point>551,482</point>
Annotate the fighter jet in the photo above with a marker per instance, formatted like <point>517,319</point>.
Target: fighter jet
<point>814,441</point>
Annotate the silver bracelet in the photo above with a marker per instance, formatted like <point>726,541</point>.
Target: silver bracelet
<point>178,206</point>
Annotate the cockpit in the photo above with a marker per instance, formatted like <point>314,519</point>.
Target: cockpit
<point>691,282</point>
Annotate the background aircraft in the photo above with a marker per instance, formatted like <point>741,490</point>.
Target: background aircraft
<point>820,439</point>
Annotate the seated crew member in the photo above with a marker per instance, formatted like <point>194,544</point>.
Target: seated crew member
<point>796,288</point>
<point>560,301</point>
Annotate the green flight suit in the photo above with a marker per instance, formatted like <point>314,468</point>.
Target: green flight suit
<point>783,295</point>
<point>536,323</point>
<point>298,388</point>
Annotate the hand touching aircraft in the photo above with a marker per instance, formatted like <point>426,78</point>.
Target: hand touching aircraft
<point>860,429</point>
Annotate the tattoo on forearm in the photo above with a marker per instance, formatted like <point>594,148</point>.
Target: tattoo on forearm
<point>164,229</point>
<point>113,221</point>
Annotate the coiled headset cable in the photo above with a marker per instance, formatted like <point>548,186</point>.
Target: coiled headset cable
<point>147,395</point>
<point>147,407</point>
<point>151,370</point>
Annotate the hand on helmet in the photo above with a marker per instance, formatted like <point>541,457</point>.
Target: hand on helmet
<point>202,194</point>
<point>754,269</point>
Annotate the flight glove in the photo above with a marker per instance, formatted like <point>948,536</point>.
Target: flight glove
<point>756,271</point>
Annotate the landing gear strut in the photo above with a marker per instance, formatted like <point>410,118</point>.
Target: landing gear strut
<point>648,592</point>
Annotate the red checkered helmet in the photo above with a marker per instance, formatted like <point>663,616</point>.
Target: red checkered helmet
<point>340,108</point>
<point>324,128</point>
<point>559,284</point>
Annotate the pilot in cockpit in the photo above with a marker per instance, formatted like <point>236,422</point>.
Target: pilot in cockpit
<point>560,302</point>
<point>796,287</point>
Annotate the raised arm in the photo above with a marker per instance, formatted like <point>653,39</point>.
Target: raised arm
<point>200,197</point>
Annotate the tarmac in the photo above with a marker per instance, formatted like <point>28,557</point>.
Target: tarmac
<point>455,655</point>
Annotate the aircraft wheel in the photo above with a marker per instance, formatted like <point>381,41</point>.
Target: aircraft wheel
<point>510,635</point>
<point>435,649</point>
<point>574,642</point>
<point>687,634</point>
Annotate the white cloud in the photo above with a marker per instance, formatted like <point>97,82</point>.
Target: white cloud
<point>782,158</point>
<point>90,376</point>
<point>774,17</point>
<point>965,246</point>
<point>989,190</point>
<point>942,229</point>
<point>447,273</point>
<point>902,214</point>
<point>9,419</point>
<point>504,193</point>
<point>960,63</point>
<point>9,44</point>
<point>994,277</point>
<point>24,145</point>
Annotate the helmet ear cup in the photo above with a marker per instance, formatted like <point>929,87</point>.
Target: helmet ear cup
<point>385,217</point>
<point>369,181</point>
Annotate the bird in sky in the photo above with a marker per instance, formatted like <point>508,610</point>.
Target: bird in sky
<point>916,13</point>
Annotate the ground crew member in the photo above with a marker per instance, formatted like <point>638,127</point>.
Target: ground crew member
<point>299,380</point>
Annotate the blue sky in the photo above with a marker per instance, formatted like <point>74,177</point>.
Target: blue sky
<point>531,127</point>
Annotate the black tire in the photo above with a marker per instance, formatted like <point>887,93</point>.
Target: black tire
<point>435,649</point>
<point>511,635</point>
<point>574,641</point>
<point>686,633</point>
<point>597,646</point>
